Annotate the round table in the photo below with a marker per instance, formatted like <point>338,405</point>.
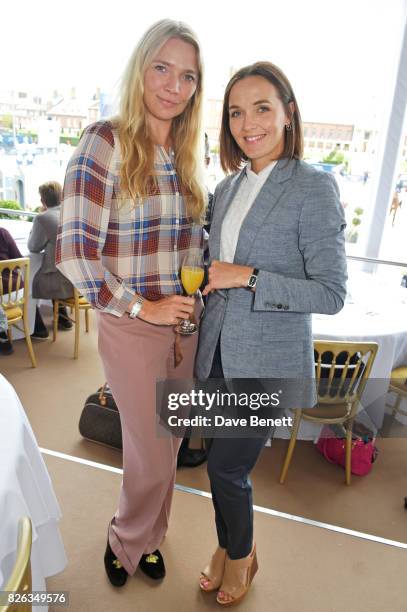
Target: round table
<point>26,490</point>
<point>375,311</point>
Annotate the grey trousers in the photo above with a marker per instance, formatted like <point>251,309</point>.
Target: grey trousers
<point>230,461</point>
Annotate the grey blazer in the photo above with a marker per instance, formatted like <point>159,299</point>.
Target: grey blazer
<point>48,283</point>
<point>294,235</point>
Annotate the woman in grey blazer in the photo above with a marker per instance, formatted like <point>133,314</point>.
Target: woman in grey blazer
<point>277,255</point>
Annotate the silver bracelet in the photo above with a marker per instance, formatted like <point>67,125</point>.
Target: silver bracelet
<point>137,306</point>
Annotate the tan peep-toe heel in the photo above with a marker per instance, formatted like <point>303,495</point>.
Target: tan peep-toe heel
<point>213,573</point>
<point>237,579</point>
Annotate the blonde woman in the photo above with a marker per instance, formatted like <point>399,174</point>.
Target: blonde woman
<point>131,210</point>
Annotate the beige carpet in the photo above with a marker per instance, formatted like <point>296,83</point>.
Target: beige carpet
<point>302,568</point>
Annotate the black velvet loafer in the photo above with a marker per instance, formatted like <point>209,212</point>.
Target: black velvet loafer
<point>153,565</point>
<point>114,569</point>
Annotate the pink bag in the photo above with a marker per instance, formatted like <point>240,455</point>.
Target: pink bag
<point>364,453</point>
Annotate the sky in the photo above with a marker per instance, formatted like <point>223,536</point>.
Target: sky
<point>341,57</point>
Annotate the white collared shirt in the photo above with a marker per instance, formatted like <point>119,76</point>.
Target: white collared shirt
<point>239,207</point>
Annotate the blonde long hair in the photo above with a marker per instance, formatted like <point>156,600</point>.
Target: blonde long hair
<point>137,168</point>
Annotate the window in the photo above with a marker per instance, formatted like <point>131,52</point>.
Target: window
<point>337,92</point>
<point>393,243</point>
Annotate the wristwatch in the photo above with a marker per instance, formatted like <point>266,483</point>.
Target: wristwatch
<point>251,283</point>
<point>137,306</point>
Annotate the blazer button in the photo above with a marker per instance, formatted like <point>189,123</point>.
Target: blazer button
<point>285,307</point>
<point>279,306</point>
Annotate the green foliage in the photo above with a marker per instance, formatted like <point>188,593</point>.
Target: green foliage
<point>71,140</point>
<point>6,121</point>
<point>334,157</point>
<point>34,135</point>
<point>352,234</point>
<point>11,205</point>
<point>329,159</point>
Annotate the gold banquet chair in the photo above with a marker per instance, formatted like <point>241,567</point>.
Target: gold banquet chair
<point>75,303</point>
<point>398,385</point>
<point>15,301</point>
<point>20,579</point>
<point>339,392</point>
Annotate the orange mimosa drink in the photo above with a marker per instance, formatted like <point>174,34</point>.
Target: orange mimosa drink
<point>191,278</point>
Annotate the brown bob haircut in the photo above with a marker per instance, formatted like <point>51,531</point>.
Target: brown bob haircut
<point>231,155</point>
<point>50,194</point>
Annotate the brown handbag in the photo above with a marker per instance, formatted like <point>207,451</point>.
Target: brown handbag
<point>100,419</point>
<point>100,422</point>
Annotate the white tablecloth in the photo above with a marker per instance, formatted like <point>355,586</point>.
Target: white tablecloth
<point>375,311</point>
<point>372,318</point>
<point>20,230</point>
<point>26,490</point>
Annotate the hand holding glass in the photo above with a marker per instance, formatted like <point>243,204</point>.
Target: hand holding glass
<point>192,275</point>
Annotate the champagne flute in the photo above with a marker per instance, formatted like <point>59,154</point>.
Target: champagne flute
<point>192,275</point>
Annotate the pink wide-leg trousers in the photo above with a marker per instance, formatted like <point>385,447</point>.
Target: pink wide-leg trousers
<point>135,354</point>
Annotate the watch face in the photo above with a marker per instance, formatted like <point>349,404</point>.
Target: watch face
<point>252,281</point>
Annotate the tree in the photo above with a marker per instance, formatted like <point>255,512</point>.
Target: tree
<point>334,157</point>
<point>10,204</point>
<point>352,234</point>
<point>6,121</point>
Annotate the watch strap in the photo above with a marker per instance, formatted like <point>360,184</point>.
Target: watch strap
<point>252,278</point>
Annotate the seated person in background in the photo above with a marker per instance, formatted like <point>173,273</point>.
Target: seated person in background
<point>49,283</point>
<point>9,250</point>
<point>5,345</point>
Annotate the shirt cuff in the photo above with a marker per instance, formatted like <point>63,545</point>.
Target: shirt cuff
<point>119,303</point>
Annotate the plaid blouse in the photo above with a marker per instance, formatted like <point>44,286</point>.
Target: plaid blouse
<point>111,249</point>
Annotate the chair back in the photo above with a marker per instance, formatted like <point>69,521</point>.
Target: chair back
<point>342,370</point>
<point>20,579</point>
<point>11,295</point>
